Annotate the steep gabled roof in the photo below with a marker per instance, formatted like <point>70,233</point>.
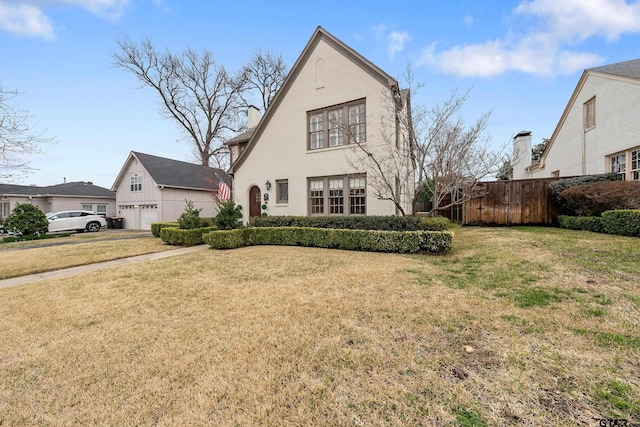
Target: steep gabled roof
<point>625,70</point>
<point>318,35</point>
<point>240,138</point>
<point>177,174</point>
<point>70,189</point>
<point>629,69</point>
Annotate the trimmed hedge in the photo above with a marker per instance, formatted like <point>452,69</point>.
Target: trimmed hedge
<point>362,240</point>
<point>182,237</point>
<point>619,222</point>
<point>622,222</point>
<point>157,226</point>
<point>388,223</point>
<point>587,223</point>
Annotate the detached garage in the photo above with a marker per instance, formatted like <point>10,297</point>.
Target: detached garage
<point>155,189</point>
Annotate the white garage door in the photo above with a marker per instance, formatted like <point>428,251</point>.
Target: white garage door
<point>128,212</point>
<point>148,214</point>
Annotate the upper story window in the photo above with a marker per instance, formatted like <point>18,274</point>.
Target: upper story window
<point>337,125</point>
<point>635,165</point>
<point>590,113</point>
<point>136,183</point>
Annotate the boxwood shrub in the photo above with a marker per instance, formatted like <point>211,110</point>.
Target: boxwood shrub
<point>157,226</point>
<point>363,240</point>
<point>587,223</point>
<point>181,237</point>
<point>622,222</point>
<point>389,223</point>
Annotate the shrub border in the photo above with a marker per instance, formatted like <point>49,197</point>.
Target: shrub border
<point>363,240</point>
<point>181,237</point>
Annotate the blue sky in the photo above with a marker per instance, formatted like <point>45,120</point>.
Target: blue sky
<point>522,60</point>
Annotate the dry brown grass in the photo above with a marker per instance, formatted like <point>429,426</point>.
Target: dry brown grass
<point>301,336</point>
<point>20,262</point>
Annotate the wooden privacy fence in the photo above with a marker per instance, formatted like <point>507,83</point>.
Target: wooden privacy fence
<point>521,202</point>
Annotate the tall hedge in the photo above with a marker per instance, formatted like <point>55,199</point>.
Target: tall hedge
<point>560,185</point>
<point>363,240</point>
<point>595,198</point>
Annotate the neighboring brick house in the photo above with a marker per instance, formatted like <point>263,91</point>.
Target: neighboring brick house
<point>60,197</point>
<point>154,189</point>
<point>295,159</point>
<point>598,132</point>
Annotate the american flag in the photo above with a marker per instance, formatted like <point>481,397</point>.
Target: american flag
<point>224,191</point>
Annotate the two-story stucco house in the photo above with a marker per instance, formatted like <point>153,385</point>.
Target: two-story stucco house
<point>599,130</point>
<point>154,189</point>
<point>301,157</point>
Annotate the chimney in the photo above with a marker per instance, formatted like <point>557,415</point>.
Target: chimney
<point>253,116</point>
<point>521,154</point>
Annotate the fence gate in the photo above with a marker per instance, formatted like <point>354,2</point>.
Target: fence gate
<point>521,202</point>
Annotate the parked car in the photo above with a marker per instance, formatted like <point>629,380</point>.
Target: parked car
<point>76,220</point>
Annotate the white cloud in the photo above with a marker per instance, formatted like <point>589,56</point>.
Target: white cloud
<point>396,41</point>
<point>390,40</point>
<point>27,18</point>
<point>541,42</point>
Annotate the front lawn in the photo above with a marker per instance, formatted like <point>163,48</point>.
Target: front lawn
<point>520,326</point>
<point>31,257</point>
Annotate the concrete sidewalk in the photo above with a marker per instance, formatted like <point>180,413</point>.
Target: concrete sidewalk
<point>32,278</point>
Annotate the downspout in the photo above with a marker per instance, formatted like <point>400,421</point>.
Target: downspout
<point>584,152</point>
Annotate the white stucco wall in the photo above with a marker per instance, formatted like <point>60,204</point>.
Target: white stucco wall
<point>281,151</point>
<point>173,203</point>
<point>576,151</point>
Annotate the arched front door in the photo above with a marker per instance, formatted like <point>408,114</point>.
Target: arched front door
<point>254,201</point>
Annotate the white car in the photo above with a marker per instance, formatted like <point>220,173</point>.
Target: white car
<point>75,220</point>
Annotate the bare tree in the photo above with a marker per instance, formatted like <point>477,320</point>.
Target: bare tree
<point>196,92</point>
<point>388,160</point>
<point>18,140</point>
<point>426,150</point>
<point>265,73</point>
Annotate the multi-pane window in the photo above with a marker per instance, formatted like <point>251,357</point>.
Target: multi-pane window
<point>357,195</point>
<point>345,195</point>
<point>357,125</point>
<point>136,183</point>
<point>635,165</point>
<point>282,191</point>
<point>87,207</point>
<point>316,196</point>
<point>590,113</point>
<point>619,163</point>
<point>336,133</point>
<point>337,125</point>
<point>336,196</point>
<point>101,209</point>
<point>316,131</point>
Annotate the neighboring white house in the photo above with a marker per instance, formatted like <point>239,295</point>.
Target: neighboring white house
<point>155,189</point>
<point>60,197</point>
<point>298,159</point>
<point>599,130</point>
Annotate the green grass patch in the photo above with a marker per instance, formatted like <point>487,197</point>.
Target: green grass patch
<point>468,418</point>
<point>611,339</point>
<point>616,395</point>
<point>536,297</point>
